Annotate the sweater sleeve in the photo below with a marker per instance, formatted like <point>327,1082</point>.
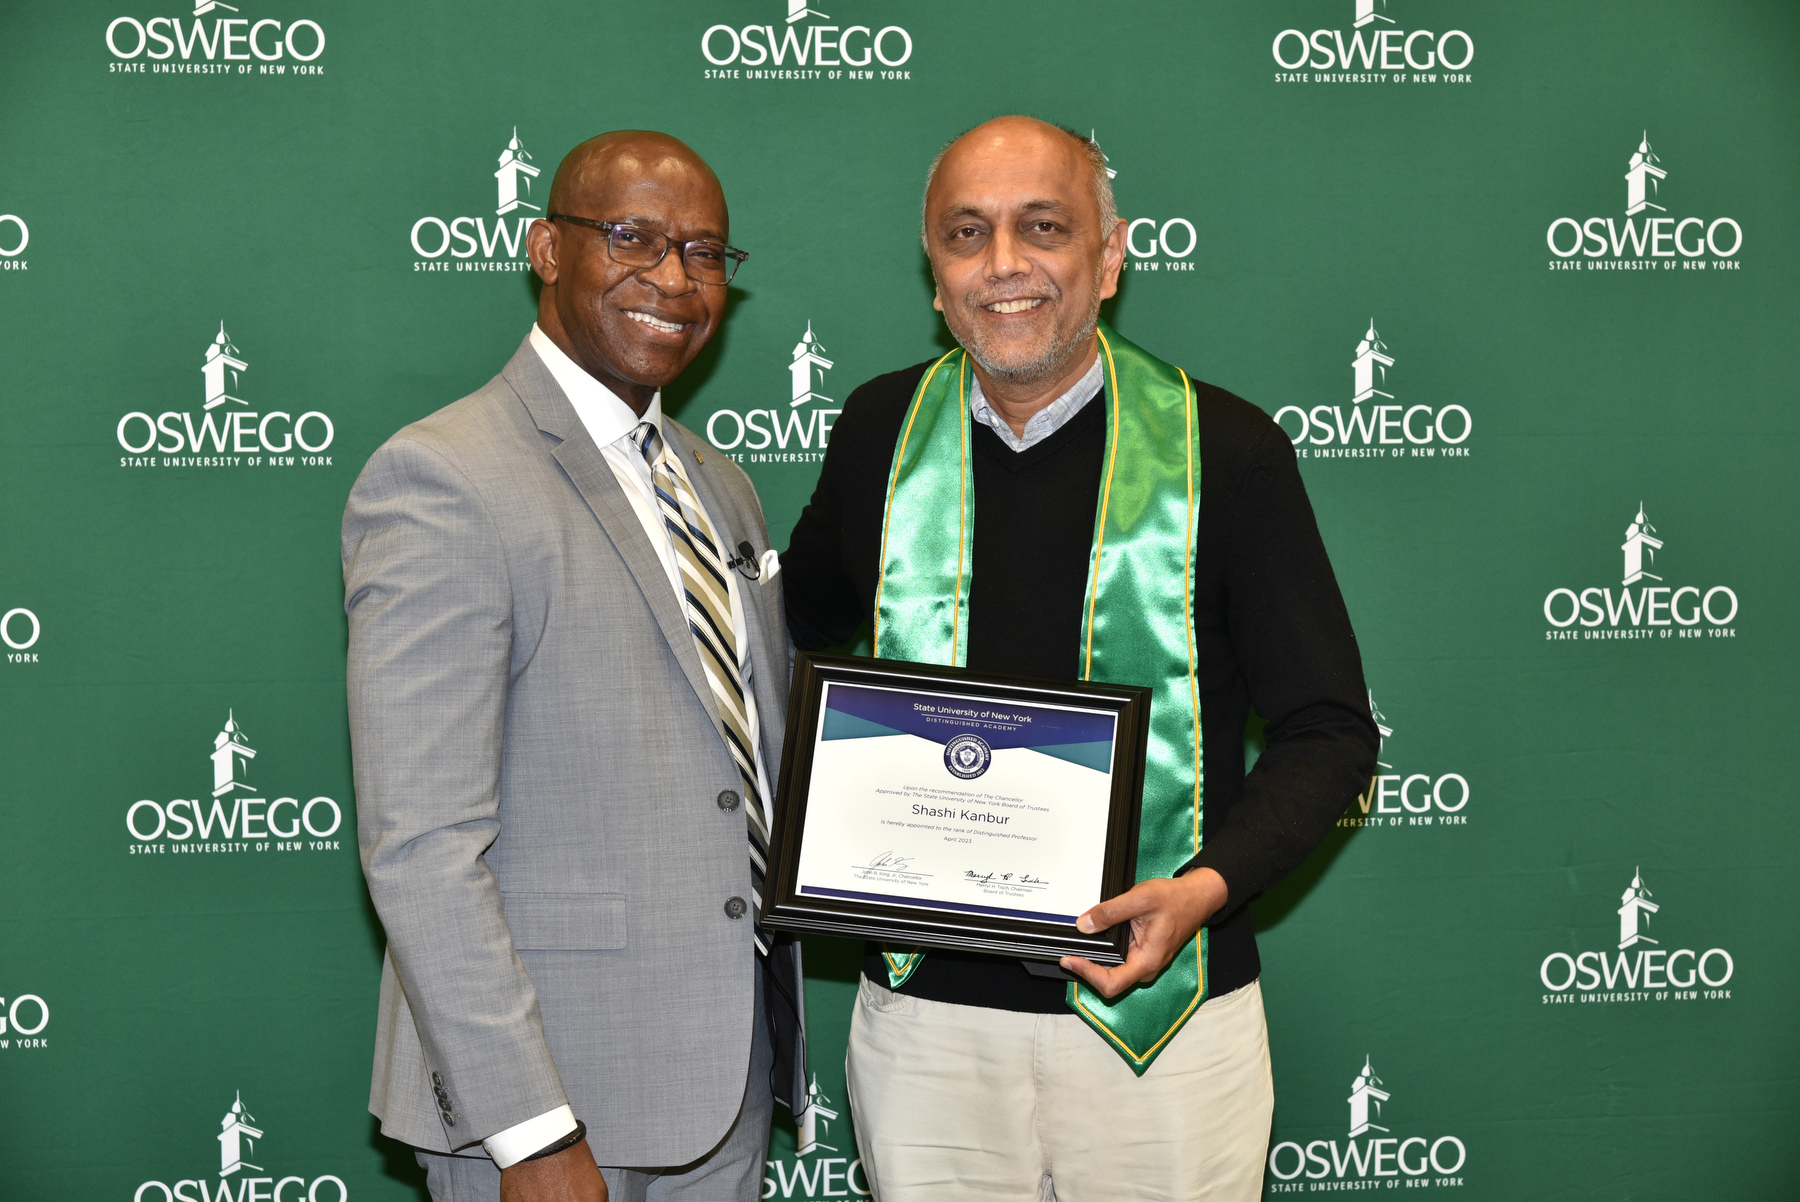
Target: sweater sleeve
<point>1291,638</point>
<point>823,607</point>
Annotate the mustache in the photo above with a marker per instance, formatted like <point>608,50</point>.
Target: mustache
<point>1046,290</point>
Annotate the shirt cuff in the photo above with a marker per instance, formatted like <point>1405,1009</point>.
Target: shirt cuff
<point>514,1144</point>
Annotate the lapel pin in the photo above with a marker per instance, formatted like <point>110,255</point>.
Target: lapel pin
<point>699,458</point>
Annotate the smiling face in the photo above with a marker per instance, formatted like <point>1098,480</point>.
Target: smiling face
<point>634,329</point>
<point>1015,235</point>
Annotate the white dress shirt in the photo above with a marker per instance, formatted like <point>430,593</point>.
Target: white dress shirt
<point>609,422</point>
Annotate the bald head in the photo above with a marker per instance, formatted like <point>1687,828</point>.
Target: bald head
<point>1038,139</point>
<point>630,158</point>
<point>633,325</point>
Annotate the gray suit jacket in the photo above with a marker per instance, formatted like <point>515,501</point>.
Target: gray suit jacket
<point>538,778</point>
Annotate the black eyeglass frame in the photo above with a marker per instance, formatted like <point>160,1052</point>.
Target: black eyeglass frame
<point>732,254</point>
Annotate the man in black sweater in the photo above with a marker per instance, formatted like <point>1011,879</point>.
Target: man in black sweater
<point>970,1076</point>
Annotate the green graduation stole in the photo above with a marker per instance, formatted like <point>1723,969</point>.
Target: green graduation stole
<point>1138,625</point>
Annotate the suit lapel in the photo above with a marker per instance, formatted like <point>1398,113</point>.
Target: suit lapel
<point>587,470</point>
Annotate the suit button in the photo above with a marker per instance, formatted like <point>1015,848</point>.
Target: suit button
<point>728,800</point>
<point>437,1079</point>
<point>449,1119</point>
<point>734,907</point>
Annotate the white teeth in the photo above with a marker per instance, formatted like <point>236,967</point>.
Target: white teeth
<point>653,322</point>
<point>1015,306</point>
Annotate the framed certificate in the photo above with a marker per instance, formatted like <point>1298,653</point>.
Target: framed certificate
<point>926,805</point>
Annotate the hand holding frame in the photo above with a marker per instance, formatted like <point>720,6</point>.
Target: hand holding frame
<point>1164,914</point>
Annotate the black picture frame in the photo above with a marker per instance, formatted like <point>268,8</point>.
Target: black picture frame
<point>784,908</point>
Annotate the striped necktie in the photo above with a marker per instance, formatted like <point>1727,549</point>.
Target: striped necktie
<point>707,597</point>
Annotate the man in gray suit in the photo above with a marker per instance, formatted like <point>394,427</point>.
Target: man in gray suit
<point>568,680</point>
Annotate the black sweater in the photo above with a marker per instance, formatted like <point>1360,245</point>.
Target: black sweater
<point>1271,627</point>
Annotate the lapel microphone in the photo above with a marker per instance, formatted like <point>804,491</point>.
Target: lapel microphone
<point>746,562</point>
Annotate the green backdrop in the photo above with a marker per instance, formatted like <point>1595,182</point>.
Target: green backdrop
<point>1510,274</point>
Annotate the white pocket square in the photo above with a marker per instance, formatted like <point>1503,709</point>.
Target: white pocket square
<point>771,564</point>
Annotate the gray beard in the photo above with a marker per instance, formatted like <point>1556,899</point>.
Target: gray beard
<point>1051,364</point>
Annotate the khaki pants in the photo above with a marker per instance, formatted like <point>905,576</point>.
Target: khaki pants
<point>968,1102</point>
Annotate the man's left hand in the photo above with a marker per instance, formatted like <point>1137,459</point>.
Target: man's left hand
<point>1164,914</point>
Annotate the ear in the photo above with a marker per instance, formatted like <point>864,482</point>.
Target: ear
<point>541,243</point>
<point>937,294</point>
<point>1112,259</point>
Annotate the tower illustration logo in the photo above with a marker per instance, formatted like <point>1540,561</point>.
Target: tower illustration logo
<point>797,11</point>
<point>1111,173</point>
<point>1640,547</point>
<point>237,1138</point>
<point>1364,1091</point>
<point>1366,14</point>
<point>515,167</point>
<point>815,1121</point>
<point>1371,359</point>
<point>1642,179</point>
<point>221,362</point>
<point>809,368</point>
<point>1635,911</point>
<point>229,746</point>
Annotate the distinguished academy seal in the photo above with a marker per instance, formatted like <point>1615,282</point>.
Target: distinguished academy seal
<point>967,756</point>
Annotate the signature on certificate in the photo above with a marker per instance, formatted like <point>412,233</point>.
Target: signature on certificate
<point>1003,878</point>
<point>888,861</point>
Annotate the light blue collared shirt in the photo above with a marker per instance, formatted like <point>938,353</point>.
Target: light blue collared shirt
<point>1045,421</point>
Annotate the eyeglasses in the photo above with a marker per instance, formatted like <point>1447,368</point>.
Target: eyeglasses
<point>705,261</point>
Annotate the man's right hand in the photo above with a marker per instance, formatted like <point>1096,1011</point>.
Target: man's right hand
<point>568,1176</point>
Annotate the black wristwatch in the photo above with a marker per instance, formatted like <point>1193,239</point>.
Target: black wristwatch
<point>568,1141</point>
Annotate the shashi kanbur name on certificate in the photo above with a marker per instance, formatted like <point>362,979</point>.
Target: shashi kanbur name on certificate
<point>953,803</point>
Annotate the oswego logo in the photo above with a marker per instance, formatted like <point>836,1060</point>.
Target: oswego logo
<point>1377,51</point>
<point>226,45</point>
<point>829,1176</point>
<point>22,1023</point>
<point>792,434</point>
<point>20,631</point>
<point>468,242</point>
<point>1161,244</point>
<point>1665,242</point>
<point>225,436</point>
<point>238,1136</point>
<point>250,824</point>
<point>799,51</point>
<point>967,756</point>
<point>15,236</point>
<point>1396,799</point>
<point>1658,610</point>
<point>1376,429</point>
<point>1640,970</point>
<point>1428,1160</point>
